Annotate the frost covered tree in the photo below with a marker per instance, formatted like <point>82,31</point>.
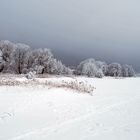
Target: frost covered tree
<point>20,58</point>
<point>41,60</point>
<point>127,71</point>
<point>56,67</point>
<point>103,66</point>
<point>99,74</point>
<point>114,69</point>
<point>88,67</point>
<point>6,49</point>
<point>81,68</point>
<point>67,71</point>
<point>1,62</point>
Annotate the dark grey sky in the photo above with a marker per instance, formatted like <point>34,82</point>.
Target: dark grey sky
<point>76,29</point>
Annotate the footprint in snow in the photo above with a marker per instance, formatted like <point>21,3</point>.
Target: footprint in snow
<point>5,115</point>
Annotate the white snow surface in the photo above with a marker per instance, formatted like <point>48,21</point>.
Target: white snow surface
<point>40,113</point>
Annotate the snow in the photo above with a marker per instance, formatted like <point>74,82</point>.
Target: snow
<point>42,113</point>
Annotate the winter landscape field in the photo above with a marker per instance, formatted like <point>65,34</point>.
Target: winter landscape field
<point>69,70</point>
<point>42,112</point>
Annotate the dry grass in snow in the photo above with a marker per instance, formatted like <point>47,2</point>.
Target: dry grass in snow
<point>72,84</point>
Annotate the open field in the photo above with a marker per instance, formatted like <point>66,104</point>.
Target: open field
<point>41,112</point>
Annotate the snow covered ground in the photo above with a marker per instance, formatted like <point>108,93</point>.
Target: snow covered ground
<point>39,113</point>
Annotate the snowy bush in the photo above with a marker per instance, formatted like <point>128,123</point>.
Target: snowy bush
<point>30,75</point>
<point>76,85</point>
<point>9,82</point>
<point>73,84</point>
<point>39,69</point>
<point>67,71</point>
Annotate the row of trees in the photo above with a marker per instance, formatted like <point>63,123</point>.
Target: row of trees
<point>20,58</point>
<point>93,68</point>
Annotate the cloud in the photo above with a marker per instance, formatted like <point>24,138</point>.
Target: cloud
<point>108,30</point>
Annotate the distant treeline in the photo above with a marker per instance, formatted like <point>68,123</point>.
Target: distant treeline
<point>21,59</point>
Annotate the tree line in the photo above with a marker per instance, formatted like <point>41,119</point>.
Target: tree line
<point>19,58</point>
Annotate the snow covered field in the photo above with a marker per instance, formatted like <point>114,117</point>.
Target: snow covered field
<point>39,113</point>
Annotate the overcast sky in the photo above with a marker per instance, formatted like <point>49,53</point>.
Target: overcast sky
<point>106,30</point>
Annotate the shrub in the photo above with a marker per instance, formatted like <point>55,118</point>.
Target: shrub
<point>74,85</point>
